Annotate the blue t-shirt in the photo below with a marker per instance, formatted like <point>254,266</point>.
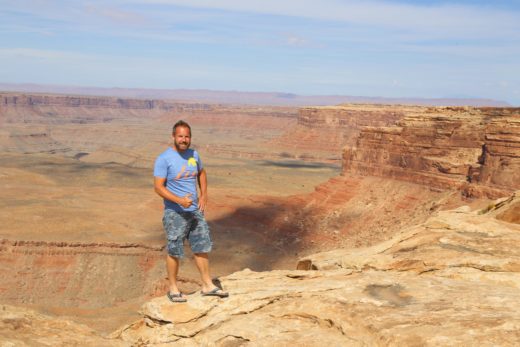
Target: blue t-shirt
<point>181,171</point>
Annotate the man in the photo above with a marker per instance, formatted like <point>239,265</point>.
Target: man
<point>177,173</point>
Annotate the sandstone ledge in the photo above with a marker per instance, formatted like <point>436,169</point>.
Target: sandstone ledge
<point>24,327</point>
<point>451,281</point>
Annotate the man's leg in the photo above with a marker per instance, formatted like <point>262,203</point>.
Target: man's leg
<point>172,267</point>
<point>175,227</point>
<point>200,242</point>
<point>202,262</point>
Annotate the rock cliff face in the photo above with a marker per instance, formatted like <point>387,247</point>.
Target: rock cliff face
<point>476,150</point>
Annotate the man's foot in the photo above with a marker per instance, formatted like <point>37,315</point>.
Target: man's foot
<point>215,292</point>
<point>176,297</point>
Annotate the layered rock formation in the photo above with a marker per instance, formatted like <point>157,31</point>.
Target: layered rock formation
<point>453,280</point>
<point>476,150</point>
<point>321,132</point>
<point>90,275</point>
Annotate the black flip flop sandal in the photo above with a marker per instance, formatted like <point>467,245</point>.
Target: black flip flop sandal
<point>216,292</point>
<point>176,297</point>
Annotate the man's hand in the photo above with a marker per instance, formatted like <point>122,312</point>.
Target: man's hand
<point>203,201</point>
<point>160,188</point>
<point>186,201</point>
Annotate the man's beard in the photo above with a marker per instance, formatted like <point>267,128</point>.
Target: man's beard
<point>181,147</point>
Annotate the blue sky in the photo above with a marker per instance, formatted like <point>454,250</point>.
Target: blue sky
<point>396,48</point>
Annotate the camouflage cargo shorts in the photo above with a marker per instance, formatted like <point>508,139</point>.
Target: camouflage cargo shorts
<point>186,225</point>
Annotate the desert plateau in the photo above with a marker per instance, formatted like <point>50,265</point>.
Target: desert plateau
<point>351,224</point>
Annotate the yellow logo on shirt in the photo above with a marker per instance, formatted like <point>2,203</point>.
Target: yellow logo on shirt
<point>192,162</point>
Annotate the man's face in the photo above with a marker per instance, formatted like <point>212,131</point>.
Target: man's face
<point>182,138</point>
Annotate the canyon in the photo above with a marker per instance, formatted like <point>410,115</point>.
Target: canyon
<point>331,213</point>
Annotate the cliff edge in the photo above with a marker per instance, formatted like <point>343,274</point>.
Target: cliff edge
<point>453,280</point>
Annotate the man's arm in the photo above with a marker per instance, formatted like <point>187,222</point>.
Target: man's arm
<point>203,186</point>
<point>159,187</point>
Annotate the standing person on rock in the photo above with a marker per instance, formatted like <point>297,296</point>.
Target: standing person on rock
<point>178,172</point>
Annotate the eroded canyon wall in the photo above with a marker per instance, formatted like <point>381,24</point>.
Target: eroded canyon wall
<point>323,131</point>
<point>476,150</point>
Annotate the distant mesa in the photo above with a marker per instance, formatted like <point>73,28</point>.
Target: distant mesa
<point>251,98</point>
<point>286,95</point>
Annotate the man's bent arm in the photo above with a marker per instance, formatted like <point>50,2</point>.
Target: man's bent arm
<point>203,186</point>
<point>161,190</point>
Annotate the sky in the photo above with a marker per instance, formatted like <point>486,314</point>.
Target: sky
<point>394,48</point>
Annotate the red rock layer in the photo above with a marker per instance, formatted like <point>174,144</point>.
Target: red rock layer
<point>476,150</point>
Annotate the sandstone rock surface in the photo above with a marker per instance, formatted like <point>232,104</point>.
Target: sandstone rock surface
<point>453,280</point>
<point>24,327</point>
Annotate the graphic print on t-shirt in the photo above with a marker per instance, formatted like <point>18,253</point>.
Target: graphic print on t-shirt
<point>192,162</point>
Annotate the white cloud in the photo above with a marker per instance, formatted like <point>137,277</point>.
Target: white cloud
<point>41,54</point>
<point>454,20</point>
<point>115,14</point>
<point>296,41</point>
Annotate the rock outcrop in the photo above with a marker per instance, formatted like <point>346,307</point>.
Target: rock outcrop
<point>476,150</point>
<point>453,280</point>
